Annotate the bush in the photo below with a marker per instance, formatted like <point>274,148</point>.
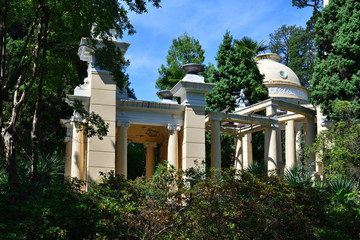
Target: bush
<point>235,205</point>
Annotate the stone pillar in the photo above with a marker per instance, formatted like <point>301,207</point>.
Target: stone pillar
<point>215,146</point>
<point>247,150</point>
<point>193,145</point>
<point>272,161</point>
<point>266,145</point>
<point>271,141</point>
<point>298,140</point>
<point>192,90</point>
<point>280,148</point>
<point>321,126</point>
<point>150,159</point>
<point>290,144</point>
<point>238,165</point>
<point>66,123</point>
<point>68,155</point>
<point>163,152</point>
<point>77,156</point>
<point>309,138</point>
<point>173,150</point>
<point>121,149</point>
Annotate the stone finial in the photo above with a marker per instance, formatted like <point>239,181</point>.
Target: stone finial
<point>192,68</point>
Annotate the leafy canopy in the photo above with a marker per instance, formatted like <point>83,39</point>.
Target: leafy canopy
<point>184,50</point>
<point>337,65</point>
<point>236,70</point>
<point>295,47</point>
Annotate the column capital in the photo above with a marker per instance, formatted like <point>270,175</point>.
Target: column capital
<point>123,123</point>
<point>173,127</point>
<point>150,144</point>
<point>76,118</point>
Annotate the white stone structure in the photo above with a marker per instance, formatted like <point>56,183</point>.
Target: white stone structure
<point>178,129</point>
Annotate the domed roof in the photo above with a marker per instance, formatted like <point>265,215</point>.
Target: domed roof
<point>268,64</point>
<point>280,80</point>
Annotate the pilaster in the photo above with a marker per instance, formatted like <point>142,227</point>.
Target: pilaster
<point>290,144</point>
<point>173,143</point>
<point>121,148</point>
<point>150,159</point>
<point>215,146</point>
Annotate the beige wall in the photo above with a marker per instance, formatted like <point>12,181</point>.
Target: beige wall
<point>101,153</point>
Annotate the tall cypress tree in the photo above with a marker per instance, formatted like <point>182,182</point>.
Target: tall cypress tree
<point>236,70</point>
<point>337,66</point>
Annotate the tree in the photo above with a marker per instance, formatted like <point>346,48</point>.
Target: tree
<point>184,50</point>
<point>236,70</point>
<point>316,5</point>
<point>295,47</point>
<point>38,43</point>
<point>337,65</point>
<point>338,147</point>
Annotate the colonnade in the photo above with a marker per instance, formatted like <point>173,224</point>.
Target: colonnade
<point>295,132</point>
<point>169,150</point>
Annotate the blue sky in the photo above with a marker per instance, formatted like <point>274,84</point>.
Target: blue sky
<point>207,21</point>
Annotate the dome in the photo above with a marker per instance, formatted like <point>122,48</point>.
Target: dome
<point>280,80</point>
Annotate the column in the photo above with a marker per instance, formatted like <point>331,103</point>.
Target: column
<point>77,163</point>
<point>215,146</point>
<point>290,144</point>
<point>272,160</point>
<point>280,148</point>
<point>266,145</point>
<point>271,141</point>
<point>150,159</point>
<point>68,154</point>
<point>309,138</point>
<point>238,165</point>
<point>173,150</point>
<point>66,123</point>
<point>121,149</point>
<point>163,152</point>
<point>298,140</point>
<point>247,150</point>
<point>321,126</point>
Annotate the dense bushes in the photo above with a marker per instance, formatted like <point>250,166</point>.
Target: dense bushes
<point>236,206</point>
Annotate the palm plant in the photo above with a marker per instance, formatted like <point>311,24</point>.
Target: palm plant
<point>50,164</point>
<point>256,168</point>
<point>342,185</point>
<point>249,48</point>
<point>297,175</point>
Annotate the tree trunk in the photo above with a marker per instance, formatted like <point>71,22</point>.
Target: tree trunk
<point>34,130</point>
<point>7,136</point>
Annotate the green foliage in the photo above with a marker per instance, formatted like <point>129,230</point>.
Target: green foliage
<point>337,73</point>
<point>91,123</point>
<point>257,168</point>
<point>338,147</point>
<point>316,5</point>
<point>295,47</point>
<point>238,205</point>
<point>236,70</point>
<point>341,186</point>
<point>297,175</point>
<point>184,50</point>
<point>39,64</point>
